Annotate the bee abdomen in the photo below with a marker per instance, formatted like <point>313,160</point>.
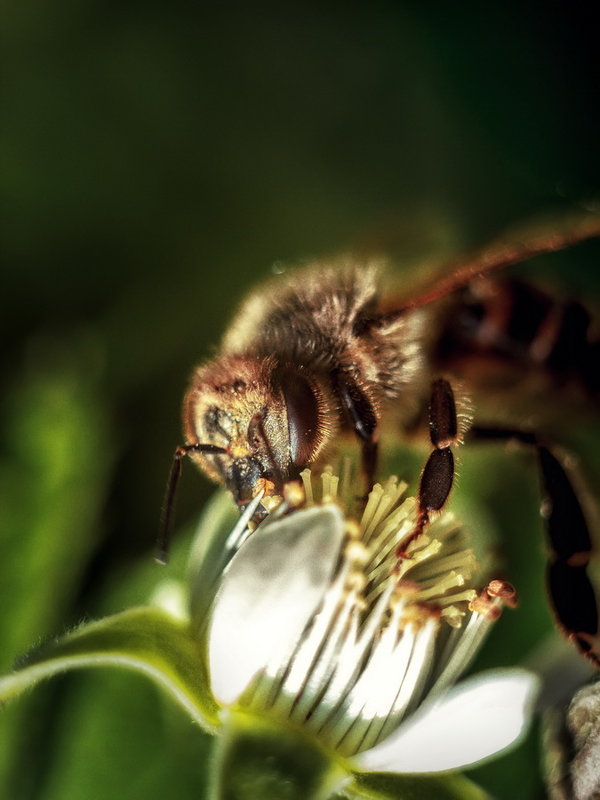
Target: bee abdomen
<point>516,321</point>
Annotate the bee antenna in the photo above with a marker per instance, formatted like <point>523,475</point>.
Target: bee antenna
<point>168,508</point>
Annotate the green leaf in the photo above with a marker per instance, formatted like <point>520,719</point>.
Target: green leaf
<point>53,484</point>
<point>107,728</point>
<point>142,639</point>
<point>57,452</point>
<point>116,735</point>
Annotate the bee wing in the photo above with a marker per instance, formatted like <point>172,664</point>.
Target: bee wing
<point>515,246</point>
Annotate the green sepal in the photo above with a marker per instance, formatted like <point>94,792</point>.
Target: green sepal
<point>387,786</point>
<point>144,639</point>
<point>259,759</point>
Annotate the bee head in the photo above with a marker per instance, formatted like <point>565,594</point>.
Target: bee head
<point>266,420</point>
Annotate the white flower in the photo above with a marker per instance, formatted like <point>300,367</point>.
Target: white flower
<point>319,623</point>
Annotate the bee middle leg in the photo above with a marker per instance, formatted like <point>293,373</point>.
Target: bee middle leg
<point>438,474</point>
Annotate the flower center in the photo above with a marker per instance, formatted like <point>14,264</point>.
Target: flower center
<point>390,632</point>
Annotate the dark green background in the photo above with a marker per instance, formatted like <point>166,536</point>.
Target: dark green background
<point>156,159</point>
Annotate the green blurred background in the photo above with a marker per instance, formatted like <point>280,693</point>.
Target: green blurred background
<point>157,159</point>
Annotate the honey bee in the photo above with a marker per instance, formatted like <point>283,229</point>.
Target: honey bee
<point>328,350</point>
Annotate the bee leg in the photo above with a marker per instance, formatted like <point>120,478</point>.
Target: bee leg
<point>571,591</point>
<point>438,474</point>
<point>361,416</point>
<point>369,456</point>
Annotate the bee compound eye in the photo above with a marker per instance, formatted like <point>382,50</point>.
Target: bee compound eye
<point>302,414</point>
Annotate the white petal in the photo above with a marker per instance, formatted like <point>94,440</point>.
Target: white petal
<point>273,587</point>
<point>472,721</point>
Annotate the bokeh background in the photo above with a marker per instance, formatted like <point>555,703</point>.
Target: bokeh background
<point>156,160</point>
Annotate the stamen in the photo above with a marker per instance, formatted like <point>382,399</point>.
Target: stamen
<point>330,485</point>
<point>437,588</point>
<point>306,476</point>
<point>460,597</point>
<point>372,503</point>
<point>333,615</point>
<point>336,699</point>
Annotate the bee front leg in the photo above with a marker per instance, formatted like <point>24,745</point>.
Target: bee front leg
<point>361,416</point>
<point>572,594</point>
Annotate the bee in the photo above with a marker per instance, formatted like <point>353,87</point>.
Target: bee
<point>328,350</point>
